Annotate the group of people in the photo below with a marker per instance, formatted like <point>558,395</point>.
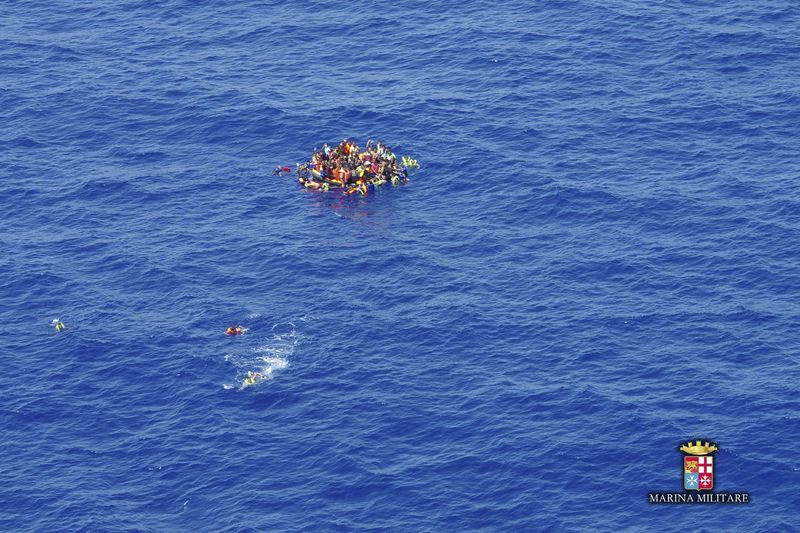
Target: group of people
<point>356,171</point>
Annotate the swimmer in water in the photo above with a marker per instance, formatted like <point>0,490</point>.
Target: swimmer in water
<point>234,330</point>
<point>58,325</point>
<point>252,378</point>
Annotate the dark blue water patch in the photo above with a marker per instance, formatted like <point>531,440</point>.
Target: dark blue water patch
<point>21,142</point>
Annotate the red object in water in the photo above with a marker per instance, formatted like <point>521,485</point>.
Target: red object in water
<point>287,169</point>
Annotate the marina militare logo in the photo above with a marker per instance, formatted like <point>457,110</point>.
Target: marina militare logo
<point>698,466</point>
<point>698,471</point>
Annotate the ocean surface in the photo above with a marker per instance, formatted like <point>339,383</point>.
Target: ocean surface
<point>598,260</point>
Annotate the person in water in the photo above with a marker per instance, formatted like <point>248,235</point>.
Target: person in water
<point>235,330</point>
<point>252,378</point>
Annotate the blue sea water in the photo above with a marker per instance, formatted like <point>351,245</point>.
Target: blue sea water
<point>597,261</point>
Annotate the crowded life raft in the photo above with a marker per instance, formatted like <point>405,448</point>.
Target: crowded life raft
<point>354,170</point>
